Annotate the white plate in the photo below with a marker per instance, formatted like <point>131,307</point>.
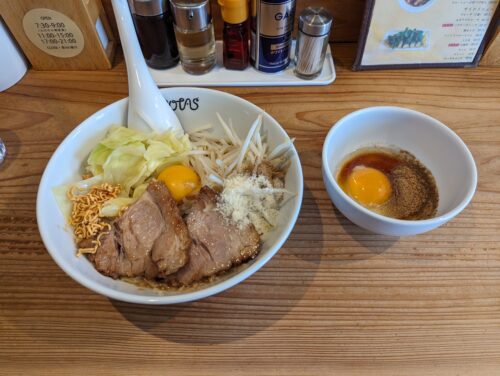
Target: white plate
<point>220,76</point>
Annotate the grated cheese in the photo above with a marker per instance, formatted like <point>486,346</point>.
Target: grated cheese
<point>251,199</point>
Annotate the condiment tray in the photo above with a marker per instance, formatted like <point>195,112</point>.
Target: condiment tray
<point>219,76</point>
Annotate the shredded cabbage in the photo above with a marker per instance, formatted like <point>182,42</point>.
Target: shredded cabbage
<point>119,136</point>
<point>112,207</point>
<point>129,158</point>
<point>126,166</point>
<point>97,158</point>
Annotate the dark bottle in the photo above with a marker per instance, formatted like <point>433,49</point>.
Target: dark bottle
<point>154,25</point>
<point>235,33</point>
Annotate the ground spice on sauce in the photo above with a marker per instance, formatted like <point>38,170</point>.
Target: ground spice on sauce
<point>414,192</point>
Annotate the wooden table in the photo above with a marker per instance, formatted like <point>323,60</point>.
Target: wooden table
<point>335,300</point>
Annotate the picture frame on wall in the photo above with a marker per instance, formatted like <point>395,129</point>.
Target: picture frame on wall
<point>424,33</point>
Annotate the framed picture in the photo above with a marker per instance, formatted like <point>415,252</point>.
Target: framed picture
<point>424,33</point>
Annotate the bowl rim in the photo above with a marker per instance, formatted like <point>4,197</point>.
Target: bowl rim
<point>401,222</point>
<point>44,226</point>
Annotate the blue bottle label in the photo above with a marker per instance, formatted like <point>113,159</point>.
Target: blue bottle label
<point>272,26</point>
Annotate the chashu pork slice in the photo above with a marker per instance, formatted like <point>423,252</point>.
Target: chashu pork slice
<point>217,244</point>
<point>149,239</point>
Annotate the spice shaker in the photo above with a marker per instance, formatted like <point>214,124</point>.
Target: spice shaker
<point>194,32</point>
<point>235,33</point>
<point>312,41</point>
<point>154,26</point>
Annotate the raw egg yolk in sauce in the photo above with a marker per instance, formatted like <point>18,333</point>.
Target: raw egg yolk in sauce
<point>390,182</point>
<point>368,186</point>
<point>181,181</point>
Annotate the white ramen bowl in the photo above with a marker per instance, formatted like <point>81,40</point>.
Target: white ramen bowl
<point>194,107</point>
<point>430,141</point>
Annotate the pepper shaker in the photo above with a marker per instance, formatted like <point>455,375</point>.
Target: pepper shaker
<point>194,32</point>
<point>312,41</point>
<point>154,25</point>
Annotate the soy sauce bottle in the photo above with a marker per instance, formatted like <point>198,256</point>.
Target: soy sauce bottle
<point>235,33</point>
<point>154,25</point>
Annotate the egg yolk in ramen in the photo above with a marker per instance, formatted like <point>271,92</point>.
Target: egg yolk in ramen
<point>181,181</point>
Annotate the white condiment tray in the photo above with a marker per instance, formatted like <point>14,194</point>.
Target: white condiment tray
<point>220,76</point>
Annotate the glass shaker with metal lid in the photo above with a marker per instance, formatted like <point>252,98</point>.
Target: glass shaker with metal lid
<point>194,32</point>
<point>312,41</point>
<point>154,25</point>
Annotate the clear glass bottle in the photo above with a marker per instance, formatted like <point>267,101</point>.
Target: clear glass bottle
<point>154,26</point>
<point>194,32</point>
<point>312,41</point>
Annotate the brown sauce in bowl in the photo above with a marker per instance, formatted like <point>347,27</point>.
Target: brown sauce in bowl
<point>409,187</point>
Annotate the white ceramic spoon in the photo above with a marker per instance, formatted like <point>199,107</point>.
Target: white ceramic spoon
<point>147,109</point>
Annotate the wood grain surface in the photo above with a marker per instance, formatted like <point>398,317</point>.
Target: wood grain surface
<point>335,300</point>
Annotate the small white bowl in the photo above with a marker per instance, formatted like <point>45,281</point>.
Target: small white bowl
<point>430,141</point>
<point>194,107</point>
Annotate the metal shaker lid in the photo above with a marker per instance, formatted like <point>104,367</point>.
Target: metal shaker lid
<point>191,16</point>
<point>315,21</point>
<point>148,7</point>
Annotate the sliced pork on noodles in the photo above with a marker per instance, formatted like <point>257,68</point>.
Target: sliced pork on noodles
<point>149,239</point>
<point>173,210</point>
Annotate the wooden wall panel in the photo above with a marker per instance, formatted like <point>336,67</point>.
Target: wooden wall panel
<point>347,15</point>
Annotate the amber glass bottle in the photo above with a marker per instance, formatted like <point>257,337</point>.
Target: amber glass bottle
<point>235,33</point>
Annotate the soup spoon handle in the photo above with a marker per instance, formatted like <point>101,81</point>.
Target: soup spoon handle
<point>147,108</point>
